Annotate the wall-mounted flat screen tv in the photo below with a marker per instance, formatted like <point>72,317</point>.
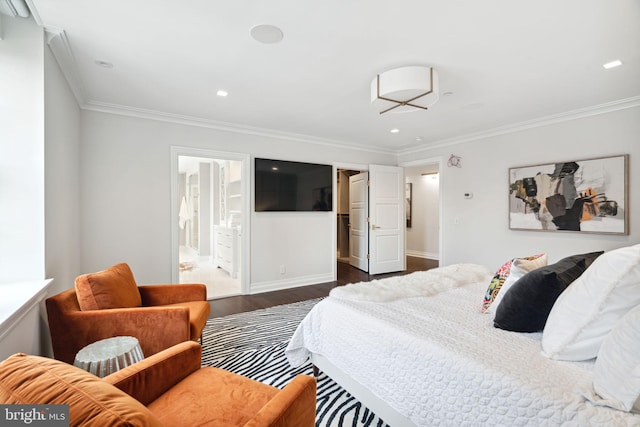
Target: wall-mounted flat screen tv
<point>283,186</point>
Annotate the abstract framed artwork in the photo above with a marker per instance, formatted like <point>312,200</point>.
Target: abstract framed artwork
<point>587,196</point>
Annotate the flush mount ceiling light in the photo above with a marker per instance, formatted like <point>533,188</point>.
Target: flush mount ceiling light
<point>405,89</point>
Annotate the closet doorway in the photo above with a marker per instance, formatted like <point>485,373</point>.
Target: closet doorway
<point>343,220</point>
<point>374,218</point>
<point>208,226</point>
<point>423,206</point>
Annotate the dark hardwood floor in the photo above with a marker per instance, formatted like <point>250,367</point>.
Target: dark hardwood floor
<point>346,274</point>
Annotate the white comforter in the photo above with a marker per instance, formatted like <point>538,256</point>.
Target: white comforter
<point>439,361</point>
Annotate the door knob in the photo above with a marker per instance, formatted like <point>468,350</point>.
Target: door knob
<point>375,227</point>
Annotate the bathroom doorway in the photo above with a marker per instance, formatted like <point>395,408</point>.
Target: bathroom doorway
<point>209,214</point>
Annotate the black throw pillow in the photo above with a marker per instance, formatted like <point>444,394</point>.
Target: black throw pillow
<point>527,304</point>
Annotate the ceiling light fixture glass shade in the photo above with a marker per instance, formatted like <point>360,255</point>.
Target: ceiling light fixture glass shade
<point>405,89</point>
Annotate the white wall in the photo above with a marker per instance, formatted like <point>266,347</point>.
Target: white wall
<point>423,237</point>
<point>62,187</point>
<point>125,197</point>
<point>39,140</point>
<point>62,179</point>
<point>482,234</point>
<point>21,151</point>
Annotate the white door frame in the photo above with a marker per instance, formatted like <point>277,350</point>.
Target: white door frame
<point>245,261</point>
<point>440,162</point>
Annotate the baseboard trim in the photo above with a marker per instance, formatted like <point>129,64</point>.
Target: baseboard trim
<point>296,282</point>
<point>426,255</point>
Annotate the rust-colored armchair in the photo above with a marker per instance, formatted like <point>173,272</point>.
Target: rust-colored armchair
<point>167,389</point>
<point>109,303</point>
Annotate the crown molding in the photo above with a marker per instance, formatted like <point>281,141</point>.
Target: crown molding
<point>225,126</point>
<point>34,12</point>
<point>622,104</point>
<point>608,107</point>
<point>59,44</point>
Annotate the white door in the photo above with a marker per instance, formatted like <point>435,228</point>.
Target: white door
<point>358,227</point>
<point>387,219</point>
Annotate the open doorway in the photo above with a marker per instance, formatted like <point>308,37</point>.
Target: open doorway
<point>208,203</point>
<point>425,237</point>
<point>375,218</point>
<point>423,211</point>
<point>422,208</point>
<point>342,212</point>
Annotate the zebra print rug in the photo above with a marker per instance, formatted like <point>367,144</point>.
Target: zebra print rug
<point>253,343</point>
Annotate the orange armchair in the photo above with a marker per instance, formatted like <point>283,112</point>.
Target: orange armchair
<point>169,388</point>
<point>109,303</point>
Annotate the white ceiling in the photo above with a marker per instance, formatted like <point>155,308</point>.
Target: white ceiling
<point>507,63</point>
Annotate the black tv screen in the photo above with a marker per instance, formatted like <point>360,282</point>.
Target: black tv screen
<point>283,186</point>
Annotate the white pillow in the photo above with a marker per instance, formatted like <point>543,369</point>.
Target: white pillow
<point>519,268</point>
<point>616,375</point>
<point>589,308</point>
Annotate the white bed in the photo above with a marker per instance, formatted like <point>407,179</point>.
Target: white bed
<point>437,360</point>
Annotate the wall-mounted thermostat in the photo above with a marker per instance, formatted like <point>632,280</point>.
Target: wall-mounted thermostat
<point>468,195</point>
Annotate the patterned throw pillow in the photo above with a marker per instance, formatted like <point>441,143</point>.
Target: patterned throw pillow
<point>523,266</point>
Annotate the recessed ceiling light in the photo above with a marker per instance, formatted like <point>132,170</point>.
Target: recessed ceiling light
<point>612,64</point>
<point>274,168</point>
<point>268,34</point>
<point>394,130</point>
<point>418,138</point>
<point>222,93</point>
<point>103,64</point>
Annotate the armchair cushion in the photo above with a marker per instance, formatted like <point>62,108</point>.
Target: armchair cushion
<point>38,380</point>
<point>114,287</point>
<point>221,398</point>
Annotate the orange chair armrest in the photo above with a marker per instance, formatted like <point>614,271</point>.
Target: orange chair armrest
<point>294,405</point>
<point>172,294</point>
<point>148,379</point>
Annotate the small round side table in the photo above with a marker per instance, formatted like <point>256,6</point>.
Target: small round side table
<point>109,355</point>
